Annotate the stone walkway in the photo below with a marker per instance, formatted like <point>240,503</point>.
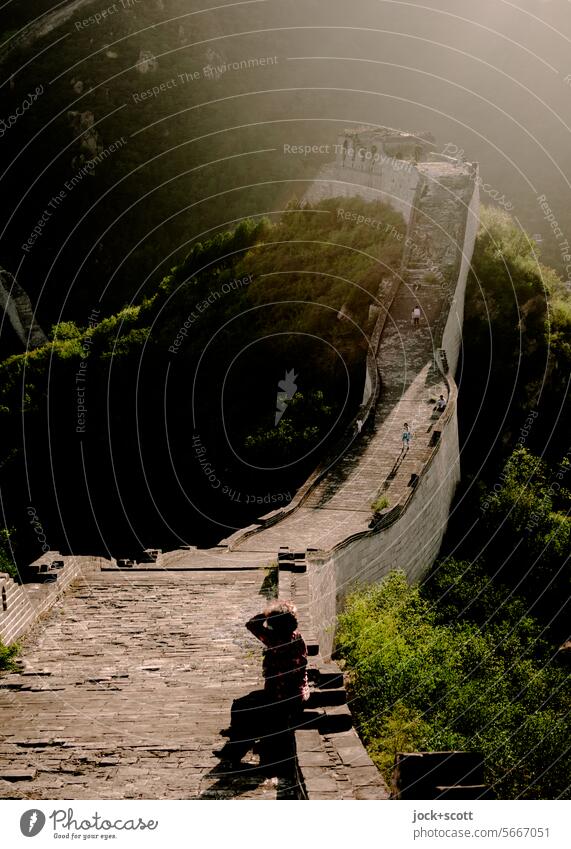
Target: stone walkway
<point>340,505</point>
<point>127,686</point>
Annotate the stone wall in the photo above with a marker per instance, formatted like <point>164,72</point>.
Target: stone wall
<point>16,611</point>
<point>21,605</point>
<point>440,202</point>
<point>452,336</point>
<point>15,303</point>
<point>391,181</point>
<point>385,296</point>
<point>411,542</point>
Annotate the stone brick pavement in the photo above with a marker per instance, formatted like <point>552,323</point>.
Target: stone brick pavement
<point>126,687</point>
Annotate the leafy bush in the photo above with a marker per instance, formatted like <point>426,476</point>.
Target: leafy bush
<point>527,521</point>
<point>7,657</point>
<point>65,330</point>
<point>6,557</point>
<point>300,427</point>
<point>517,337</point>
<point>379,504</point>
<point>309,279</point>
<point>420,682</point>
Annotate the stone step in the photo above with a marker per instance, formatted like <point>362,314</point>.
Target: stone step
<point>332,761</point>
<point>327,697</point>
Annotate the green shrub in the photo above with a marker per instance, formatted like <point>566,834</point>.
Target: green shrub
<point>379,504</point>
<point>518,322</point>
<point>6,557</point>
<point>527,521</point>
<point>7,657</point>
<point>270,584</point>
<point>420,682</point>
<point>304,420</point>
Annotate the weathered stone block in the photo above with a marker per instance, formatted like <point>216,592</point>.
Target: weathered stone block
<point>308,740</point>
<point>320,785</point>
<point>18,774</point>
<point>370,793</point>
<point>313,759</point>
<point>355,756</point>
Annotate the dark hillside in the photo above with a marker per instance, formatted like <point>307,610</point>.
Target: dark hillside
<point>157,425</point>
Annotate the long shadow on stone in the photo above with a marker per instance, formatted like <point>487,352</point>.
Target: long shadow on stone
<point>266,729</point>
<point>231,783</point>
<point>339,473</point>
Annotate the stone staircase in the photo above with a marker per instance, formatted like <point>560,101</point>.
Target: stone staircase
<point>331,760</point>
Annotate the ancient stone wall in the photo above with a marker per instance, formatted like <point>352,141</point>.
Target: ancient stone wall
<point>15,303</point>
<point>21,605</point>
<point>390,181</point>
<point>452,336</point>
<point>323,541</point>
<point>410,543</point>
<point>440,202</point>
<point>385,296</point>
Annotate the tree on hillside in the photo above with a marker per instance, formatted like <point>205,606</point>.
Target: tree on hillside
<point>517,342</point>
<point>528,523</point>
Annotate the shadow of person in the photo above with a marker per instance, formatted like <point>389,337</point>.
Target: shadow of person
<point>266,728</point>
<point>247,783</point>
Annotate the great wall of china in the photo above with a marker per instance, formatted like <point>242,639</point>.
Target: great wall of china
<point>127,680</point>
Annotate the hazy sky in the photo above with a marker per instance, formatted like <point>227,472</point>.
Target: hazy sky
<point>489,77</point>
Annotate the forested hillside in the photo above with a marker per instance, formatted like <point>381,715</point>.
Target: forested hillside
<point>157,425</point>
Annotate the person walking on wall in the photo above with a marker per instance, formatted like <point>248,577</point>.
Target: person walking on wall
<point>406,437</point>
<point>415,317</point>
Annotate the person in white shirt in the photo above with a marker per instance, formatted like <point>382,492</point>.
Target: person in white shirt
<point>406,437</point>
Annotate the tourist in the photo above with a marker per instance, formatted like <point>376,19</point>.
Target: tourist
<point>441,404</point>
<point>415,317</point>
<point>285,655</point>
<point>406,437</point>
<point>359,426</point>
<point>271,714</point>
